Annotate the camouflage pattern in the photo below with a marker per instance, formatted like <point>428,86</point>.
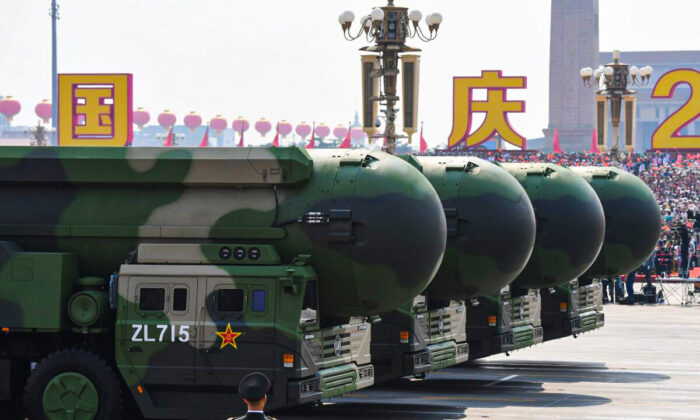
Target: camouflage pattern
<point>490,226</point>
<point>570,224</point>
<point>293,243</point>
<point>632,227</point>
<point>491,232</point>
<point>100,203</point>
<point>632,220</point>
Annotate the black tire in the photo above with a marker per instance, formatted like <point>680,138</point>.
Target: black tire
<point>83,362</point>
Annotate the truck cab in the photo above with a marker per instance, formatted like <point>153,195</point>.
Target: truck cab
<point>415,340</point>
<point>191,324</point>
<point>572,309</point>
<point>501,323</point>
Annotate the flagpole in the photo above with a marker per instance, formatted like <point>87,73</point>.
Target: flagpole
<point>54,74</point>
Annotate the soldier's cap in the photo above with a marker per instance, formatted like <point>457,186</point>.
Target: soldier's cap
<point>254,386</point>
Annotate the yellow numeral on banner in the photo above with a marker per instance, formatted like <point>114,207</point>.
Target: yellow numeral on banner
<point>667,134</point>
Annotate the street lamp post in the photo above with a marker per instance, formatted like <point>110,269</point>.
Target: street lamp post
<point>54,70</point>
<point>612,81</point>
<point>387,28</point>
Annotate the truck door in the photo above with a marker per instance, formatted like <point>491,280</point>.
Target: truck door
<point>163,317</point>
<point>238,330</point>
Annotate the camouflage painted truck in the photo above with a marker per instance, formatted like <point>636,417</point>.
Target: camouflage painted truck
<point>632,227</point>
<point>172,273</point>
<point>490,236</point>
<point>569,234</point>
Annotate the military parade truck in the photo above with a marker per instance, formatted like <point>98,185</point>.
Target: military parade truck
<point>632,227</point>
<point>491,232</point>
<point>414,340</point>
<point>569,234</point>
<point>163,276</point>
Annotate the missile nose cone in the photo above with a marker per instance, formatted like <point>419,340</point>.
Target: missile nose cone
<point>386,246</point>
<point>407,235</point>
<point>570,224</point>
<point>632,216</point>
<point>491,226</point>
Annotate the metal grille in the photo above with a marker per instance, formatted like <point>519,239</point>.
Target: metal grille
<point>366,372</point>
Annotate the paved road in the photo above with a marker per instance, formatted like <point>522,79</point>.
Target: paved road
<point>644,364</point>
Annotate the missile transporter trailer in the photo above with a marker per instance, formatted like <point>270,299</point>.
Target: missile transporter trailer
<point>165,276</point>
<point>632,227</point>
<point>490,235</point>
<point>569,233</point>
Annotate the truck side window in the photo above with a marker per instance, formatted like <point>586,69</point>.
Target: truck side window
<point>152,299</point>
<point>309,306</point>
<point>310,296</point>
<point>258,300</point>
<point>180,299</point>
<point>230,300</point>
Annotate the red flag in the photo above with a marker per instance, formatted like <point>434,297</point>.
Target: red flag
<point>423,143</point>
<point>276,140</point>
<point>312,142</point>
<point>594,142</point>
<point>169,140</point>
<point>345,144</point>
<point>205,139</point>
<point>555,143</point>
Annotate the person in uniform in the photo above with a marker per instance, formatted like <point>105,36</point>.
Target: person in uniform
<point>253,389</point>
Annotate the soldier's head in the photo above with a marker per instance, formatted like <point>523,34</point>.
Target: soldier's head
<point>253,389</point>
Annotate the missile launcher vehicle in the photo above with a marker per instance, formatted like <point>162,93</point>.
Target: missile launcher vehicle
<point>569,235</point>
<point>166,275</point>
<point>490,236</point>
<point>632,227</point>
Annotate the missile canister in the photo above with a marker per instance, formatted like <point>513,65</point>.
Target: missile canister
<point>372,225</point>
<point>632,220</point>
<point>570,224</point>
<point>490,225</point>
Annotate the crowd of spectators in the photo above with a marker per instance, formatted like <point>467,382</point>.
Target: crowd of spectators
<point>674,178</point>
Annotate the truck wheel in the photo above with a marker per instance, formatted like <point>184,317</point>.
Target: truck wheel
<point>73,385</point>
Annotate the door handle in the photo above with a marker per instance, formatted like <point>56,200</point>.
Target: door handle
<point>135,349</point>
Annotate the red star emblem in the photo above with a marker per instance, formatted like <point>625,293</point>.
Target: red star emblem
<point>228,337</point>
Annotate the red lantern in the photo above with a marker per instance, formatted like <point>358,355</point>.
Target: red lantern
<point>263,126</point>
<point>284,128</point>
<point>193,121</point>
<point>240,125</point>
<point>322,131</point>
<point>303,130</point>
<point>43,110</point>
<point>357,134</point>
<point>340,132</point>
<point>218,124</point>
<point>9,107</point>
<point>141,117</point>
<point>167,119</point>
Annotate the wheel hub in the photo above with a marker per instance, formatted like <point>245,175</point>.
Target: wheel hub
<point>70,396</point>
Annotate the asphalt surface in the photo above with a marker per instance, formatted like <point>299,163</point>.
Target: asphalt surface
<point>644,364</point>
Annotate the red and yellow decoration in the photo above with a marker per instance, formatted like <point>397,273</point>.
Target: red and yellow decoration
<point>228,337</point>
<point>496,108</point>
<point>667,134</point>
<point>95,109</point>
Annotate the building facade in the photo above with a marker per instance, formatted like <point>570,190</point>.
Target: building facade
<point>650,113</point>
<point>573,45</point>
